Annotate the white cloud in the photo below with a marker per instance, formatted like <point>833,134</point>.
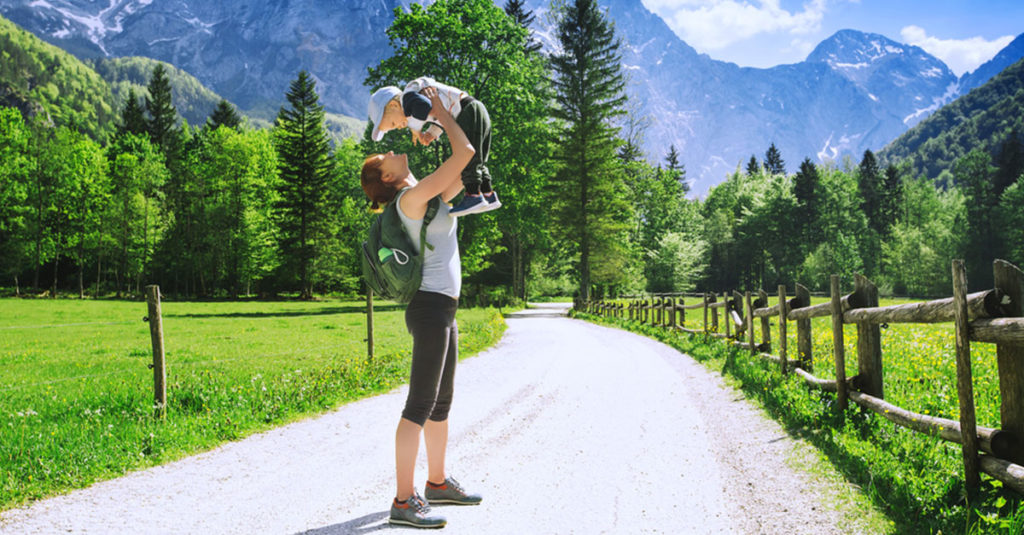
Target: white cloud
<point>961,55</point>
<point>715,24</point>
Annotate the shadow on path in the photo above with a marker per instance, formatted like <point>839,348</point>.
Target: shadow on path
<point>293,313</point>
<point>364,524</point>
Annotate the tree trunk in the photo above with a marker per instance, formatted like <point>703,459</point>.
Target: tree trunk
<point>56,266</point>
<point>17,289</point>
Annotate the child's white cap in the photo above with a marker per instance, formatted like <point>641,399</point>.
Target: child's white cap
<point>378,101</point>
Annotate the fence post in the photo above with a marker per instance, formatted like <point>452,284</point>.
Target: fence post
<point>837,343</point>
<point>672,313</point>
<point>750,322</point>
<point>869,341</point>
<point>766,325</point>
<point>369,323</point>
<point>1009,282</point>
<point>156,334</point>
<point>714,312</point>
<point>803,331</point>
<point>965,388</point>
<point>782,328</point>
<point>726,317</point>
<point>682,312</point>
<point>705,317</point>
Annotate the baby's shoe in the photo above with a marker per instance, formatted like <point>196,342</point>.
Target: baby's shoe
<point>492,201</point>
<point>470,204</point>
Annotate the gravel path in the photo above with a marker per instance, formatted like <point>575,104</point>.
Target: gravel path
<point>564,427</point>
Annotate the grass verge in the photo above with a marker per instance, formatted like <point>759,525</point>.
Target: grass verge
<point>76,394</point>
<point>916,480</point>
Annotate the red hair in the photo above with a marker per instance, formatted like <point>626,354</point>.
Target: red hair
<point>371,176</point>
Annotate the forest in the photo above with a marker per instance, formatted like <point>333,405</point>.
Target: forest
<point>92,205</point>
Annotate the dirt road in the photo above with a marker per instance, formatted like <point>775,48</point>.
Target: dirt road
<point>564,427</point>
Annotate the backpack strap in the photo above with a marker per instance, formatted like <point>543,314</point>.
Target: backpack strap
<point>432,207</point>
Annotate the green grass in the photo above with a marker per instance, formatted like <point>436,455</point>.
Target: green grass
<point>76,393</point>
<point>915,479</point>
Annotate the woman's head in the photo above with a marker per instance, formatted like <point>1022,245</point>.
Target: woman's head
<point>382,176</point>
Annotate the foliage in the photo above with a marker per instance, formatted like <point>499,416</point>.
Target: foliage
<point>40,79</point>
<point>306,169</point>
<point>773,161</point>
<point>588,194</point>
<point>982,119</point>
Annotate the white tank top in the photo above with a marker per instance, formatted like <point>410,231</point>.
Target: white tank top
<point>442,268</point>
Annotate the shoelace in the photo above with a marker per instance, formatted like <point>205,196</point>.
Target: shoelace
<point>421,505</point>
<point>455,486</point>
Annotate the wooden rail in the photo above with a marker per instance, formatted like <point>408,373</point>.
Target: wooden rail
<point>993,316</point>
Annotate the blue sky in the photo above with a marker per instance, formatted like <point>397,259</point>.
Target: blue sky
<point>764,33</point>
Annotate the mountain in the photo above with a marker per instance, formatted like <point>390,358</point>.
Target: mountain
<point>248,51</point>
<point>855,91</point>
<point>41,79</point>
<point>1006,57</point>
<point>981,119</point>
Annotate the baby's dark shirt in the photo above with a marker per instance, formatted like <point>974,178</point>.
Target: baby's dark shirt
<point>416,105</point>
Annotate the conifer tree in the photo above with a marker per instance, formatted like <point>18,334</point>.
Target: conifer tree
<point>223,115</point>
<point>752,166</point>
<point>524,18</point>
<point>773,161</point>
<point>1010,163</point>
<point>676,168</point>
<point>589,84</point>
<point>133,118</point>
<point>305,166</point>
<point>805,188</point>
<point>891,198</point>
<point>163,117</point>
<point>869,182</point>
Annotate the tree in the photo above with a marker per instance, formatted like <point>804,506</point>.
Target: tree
<point>524,18</point>
<point>305,165</point>
<point>133,117</point>
<point>1010,162</point>
<point>15,169</point>
<point>869,182</point>
<point>225,115</point>
<point>973,174</point>
<point>753,167</point>
<point>589,86</point>
<point>1011,218</point>
<point>163,117</point>
<point>677,169</point>
<point>773,161</point>
<point>891,199</point>
<point>805,189</point>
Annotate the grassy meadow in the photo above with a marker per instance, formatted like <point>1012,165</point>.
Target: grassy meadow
<point>76,393</point>
<point>915,479</point>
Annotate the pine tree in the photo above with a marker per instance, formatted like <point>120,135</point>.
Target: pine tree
<point>753,167</point>
<point>163,117</point>
<point>869,181</point>
<point>305,165</point>
<point>524,18</point>
<point>805,188</point>
<point>1010,161</point>
<point>589,85</point>
<point>223,115</point>
<point>676,168</point>
<point>891,199</point>
<point>773,161</point>
<point>133,118</point>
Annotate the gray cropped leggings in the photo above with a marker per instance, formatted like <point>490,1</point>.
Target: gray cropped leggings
<point>430,319</point>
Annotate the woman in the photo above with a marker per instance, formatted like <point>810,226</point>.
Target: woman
<point>430,317</point>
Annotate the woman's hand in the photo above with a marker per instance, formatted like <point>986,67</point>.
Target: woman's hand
<point>436,106</point>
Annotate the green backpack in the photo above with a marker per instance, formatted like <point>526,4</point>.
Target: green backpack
<point>391,266</point>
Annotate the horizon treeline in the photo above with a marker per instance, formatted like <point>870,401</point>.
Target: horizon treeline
<point>225,210</point>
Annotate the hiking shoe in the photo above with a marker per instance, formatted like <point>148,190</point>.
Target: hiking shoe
<point>414,512</point>
<point>470,204</point>
<point>492,201</point>
<point>450,492</point>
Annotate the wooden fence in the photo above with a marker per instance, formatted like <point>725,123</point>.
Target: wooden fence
<point>992,316</point>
